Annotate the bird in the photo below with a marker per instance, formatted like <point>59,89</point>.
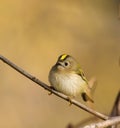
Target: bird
<point>67,77</point>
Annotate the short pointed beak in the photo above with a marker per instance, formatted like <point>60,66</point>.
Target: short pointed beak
<point>59,63</point>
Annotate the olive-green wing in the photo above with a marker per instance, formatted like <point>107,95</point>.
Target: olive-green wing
<point>81,73</point>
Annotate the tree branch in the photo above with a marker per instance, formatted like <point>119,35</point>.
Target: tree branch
<point>40,83</point>
<point>107,123</point>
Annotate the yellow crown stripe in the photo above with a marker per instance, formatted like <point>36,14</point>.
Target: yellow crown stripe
<point>63,57</point>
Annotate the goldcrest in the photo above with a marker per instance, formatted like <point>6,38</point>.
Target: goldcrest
<point>67,77</point>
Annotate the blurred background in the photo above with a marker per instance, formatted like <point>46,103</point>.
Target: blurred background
<point>33,33</point>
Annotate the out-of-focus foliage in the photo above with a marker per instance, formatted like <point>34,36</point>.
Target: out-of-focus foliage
<point>33,33</point>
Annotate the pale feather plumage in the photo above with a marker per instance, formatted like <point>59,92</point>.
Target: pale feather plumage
<point>69,84</point>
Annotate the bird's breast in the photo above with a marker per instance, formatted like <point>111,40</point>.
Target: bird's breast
<point>69,84</point>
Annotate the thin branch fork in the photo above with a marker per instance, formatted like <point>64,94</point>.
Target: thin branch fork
<point>45,86</point>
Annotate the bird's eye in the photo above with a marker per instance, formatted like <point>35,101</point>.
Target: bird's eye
<point>66,63</point>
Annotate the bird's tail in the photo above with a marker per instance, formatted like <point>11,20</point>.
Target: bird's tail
<point>87,95</point>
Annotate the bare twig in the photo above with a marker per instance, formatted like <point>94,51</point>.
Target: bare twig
<point>115,112</point>
<point>40,83</point>
<point>116,108</point>
<point>107,123</point>
<point>83,122</point>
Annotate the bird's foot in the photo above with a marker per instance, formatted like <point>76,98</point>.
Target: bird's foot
<point>69,100</point>
<point>50,93</point>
